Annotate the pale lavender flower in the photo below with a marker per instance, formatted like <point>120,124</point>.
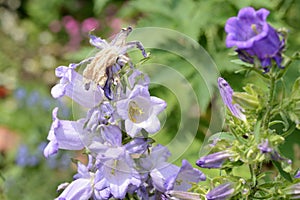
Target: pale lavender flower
<point>155,163</point>
<point>81,187</point>
<point>64,134</point>
<point>254,38</point>
<point>226,94</point>
<point>140,110</point>
<point>71,85</point>
<point>138,78</point>
<point>116,175</point>
<point>214,160</point>
<point>221,192</point>
<point>183,179</point>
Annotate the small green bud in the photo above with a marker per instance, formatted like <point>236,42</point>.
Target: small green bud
<point>245,100</point>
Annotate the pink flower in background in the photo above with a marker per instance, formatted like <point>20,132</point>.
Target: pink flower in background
<point>115,24</point>
<point>89,24</point>
<point>71,25</point>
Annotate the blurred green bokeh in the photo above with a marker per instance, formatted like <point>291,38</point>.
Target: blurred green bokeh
<point>37,36</point>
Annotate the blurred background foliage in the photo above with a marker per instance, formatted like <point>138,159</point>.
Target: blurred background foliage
<point>37,36</point>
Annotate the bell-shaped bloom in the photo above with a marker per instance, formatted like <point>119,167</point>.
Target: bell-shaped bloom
<point>226,93</point>
<point>254,38</point>
<point>223,192</point>
<point>71,84</point>
<point>183,179</point>
<point>140,110</point>
<point>81,187</point>
<point>214,160</point>
<point>64,134</point>
<point>116,175</point>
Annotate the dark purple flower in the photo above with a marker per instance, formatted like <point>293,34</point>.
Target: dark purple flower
<point>214,160</point>
<point>226,94</point>
<point>264,147</point>
<point>221,192</point>
<point>254,37</point>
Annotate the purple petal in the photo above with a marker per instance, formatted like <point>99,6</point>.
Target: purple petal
<point>78,189</point>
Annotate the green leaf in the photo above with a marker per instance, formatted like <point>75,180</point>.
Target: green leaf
<point>296,89</point>
<point>283,173</point>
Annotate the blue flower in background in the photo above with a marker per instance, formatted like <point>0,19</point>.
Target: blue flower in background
<point>254,38</point>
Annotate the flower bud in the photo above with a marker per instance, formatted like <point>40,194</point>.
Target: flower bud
<point>245,100</point>
<point>214,160</point>
<point>223,191</point>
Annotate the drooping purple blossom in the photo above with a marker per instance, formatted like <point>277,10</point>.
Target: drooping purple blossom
<point>71,85</point>
<point>140,110</point>
<point>81,187</point>
<point>214,160</point>
<point>226,93</point>
<point>221,192</point>
<point>64,134</point>
<point>254,38</point>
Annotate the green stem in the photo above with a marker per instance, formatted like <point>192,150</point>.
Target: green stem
<point>270,102</point>
<point>253,175</point>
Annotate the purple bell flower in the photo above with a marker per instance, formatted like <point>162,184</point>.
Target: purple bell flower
<point>254,38</point>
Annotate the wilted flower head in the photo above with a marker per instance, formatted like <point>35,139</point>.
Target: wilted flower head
<point>109,60</point>
<point>221,192</point>
<point>226,94</point>
<point>254,38</point>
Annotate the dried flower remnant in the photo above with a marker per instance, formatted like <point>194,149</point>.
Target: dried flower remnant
<point>109,60</point>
